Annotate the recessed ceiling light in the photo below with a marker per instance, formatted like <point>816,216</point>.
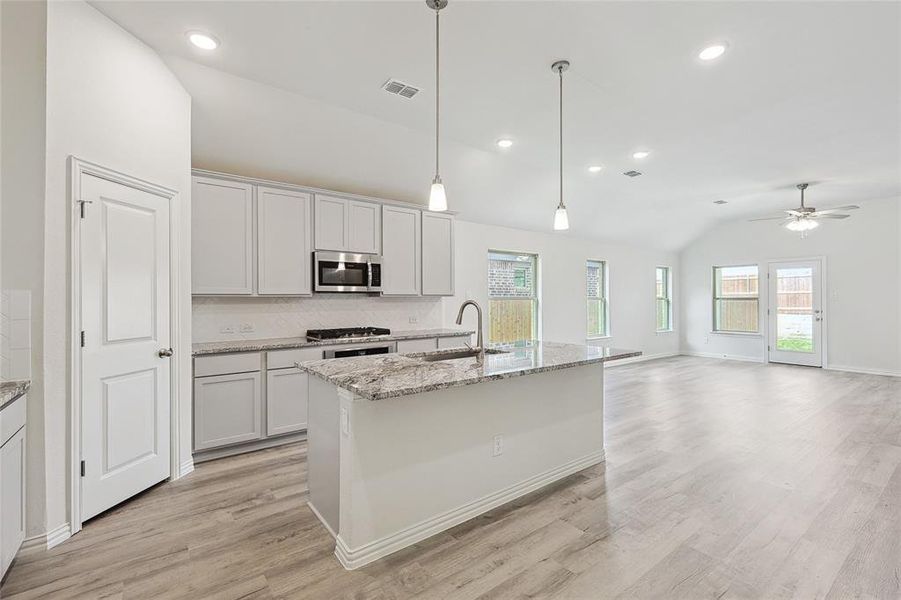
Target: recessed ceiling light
<point>640,154</point>
<point>594,169</point>
<point>504,143</point>
<point>712,52</point>
<point>204,41</point>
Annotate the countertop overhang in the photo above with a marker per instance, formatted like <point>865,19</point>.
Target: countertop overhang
<point>262,345</point>
<point>394,375</point>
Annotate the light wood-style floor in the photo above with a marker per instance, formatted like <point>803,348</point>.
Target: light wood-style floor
<point>723,480</point>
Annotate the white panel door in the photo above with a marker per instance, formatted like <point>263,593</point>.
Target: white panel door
<point>221,237</point>
<point>12,498</point>
<point>401,251</point>
<point>227,410</point>
<point>284,242</point>
<point>286,401</point>
<point>364,229</point>
<point>795,313</point>
<point>330,232</point>
<point>437,254</point>
<point>125,318</point>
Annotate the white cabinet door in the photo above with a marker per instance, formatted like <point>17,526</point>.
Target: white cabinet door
<point>331,216</point>
<point>227,410</point>
<point>401,251</point>
<point>12,498</point>
<point>284,242</point>
<point>408,346</point>
<point>437,254</point>
<point>286,401</point>
<point>221,237</point>
<point>364,227</point>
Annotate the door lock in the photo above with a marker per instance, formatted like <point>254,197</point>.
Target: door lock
<point>165,352</point>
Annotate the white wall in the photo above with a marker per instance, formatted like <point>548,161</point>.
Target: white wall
<point>862,299</point>
<point>23,148</point>
<point>562,280</point>
<point>112,101</point>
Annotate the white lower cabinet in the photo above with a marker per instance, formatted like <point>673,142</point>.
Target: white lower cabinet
<point>227,410</point>
<point>12,483</point>
<point>286,401</point>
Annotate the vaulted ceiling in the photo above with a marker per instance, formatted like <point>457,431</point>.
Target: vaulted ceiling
<point>806,91</point>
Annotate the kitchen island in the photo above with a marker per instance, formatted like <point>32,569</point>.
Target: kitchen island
<point>402,447</point>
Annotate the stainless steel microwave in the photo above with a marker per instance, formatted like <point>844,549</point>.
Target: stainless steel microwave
<point>346,272</point>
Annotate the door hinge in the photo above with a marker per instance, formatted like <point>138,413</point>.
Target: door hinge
<point>82,338</point>
<point>82,468</point>
<point>767,348</point>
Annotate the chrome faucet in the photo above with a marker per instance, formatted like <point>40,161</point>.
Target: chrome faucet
<point>479,345</point>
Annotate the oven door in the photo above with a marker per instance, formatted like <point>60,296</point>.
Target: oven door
<point>341,272</point>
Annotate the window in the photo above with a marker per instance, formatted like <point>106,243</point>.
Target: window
<point>664,300</point>
<point>596,292</point>
<point>512,297</point>
<point>735,299</point>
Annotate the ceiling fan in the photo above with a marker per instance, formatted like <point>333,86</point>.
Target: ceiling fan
<point>804,218</point>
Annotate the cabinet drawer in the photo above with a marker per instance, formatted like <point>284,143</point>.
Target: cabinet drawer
<point>407,346</point>
<point>12,419</point>
<point>281,359</point>
<point>224,364</point>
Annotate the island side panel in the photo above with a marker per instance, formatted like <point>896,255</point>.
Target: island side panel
<point>416,465</point>
<point>323,431</point>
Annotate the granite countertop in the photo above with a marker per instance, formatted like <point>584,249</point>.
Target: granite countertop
<point>392,375</point>
<point>202,348</point>
<point>10,390</point>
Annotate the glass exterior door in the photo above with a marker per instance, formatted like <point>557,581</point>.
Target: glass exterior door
<point>795,313</point>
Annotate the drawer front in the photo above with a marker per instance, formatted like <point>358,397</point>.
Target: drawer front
<point>281,359</point>
<point>225,364</point>
<point>408,346</point>
<point>12,419</point>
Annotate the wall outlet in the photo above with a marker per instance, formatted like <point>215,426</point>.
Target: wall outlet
<point>227,329</point>
<point>247,328</point>
<point>498,445</point>
<point>414,320</point>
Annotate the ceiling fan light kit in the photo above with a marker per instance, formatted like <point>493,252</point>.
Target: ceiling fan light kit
<point>805,218</point>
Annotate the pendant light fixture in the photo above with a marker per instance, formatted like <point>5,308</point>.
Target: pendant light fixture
<point>437,195</point>
<point>561,220</point>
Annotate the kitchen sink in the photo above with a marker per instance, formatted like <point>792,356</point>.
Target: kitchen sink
<point>452,355</point>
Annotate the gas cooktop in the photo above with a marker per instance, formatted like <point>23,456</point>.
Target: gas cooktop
<point>346,332</point>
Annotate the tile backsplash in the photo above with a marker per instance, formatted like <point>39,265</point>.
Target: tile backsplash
<point>219,319</point>
<point>15,334</point>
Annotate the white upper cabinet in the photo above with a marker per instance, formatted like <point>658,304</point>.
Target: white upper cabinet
<point>221,237</point>
<point>364,230</point>
<point>331,223</point>
<point>284,242</point>
<point>401,251</point>
<point>344,225</point>
<point>437,254</point>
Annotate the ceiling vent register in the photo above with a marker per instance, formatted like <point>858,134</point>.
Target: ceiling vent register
<point>399,88</point>
<point>632,173</point>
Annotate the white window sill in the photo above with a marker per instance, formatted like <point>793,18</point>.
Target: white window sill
<point>738,333</point>
<point>599,337</point>
<point>664,331</point>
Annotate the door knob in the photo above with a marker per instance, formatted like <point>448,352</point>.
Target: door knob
<point>165,352</point>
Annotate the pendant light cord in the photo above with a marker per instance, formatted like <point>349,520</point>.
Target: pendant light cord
<point>560,73</point>
<point>437,88</point>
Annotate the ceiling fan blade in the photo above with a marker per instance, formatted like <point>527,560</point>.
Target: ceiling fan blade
<point>780,218</point>
<point>819,215</point>
<point>795,213</point>
<point>836,209</point>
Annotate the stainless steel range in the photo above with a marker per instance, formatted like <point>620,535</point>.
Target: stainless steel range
<point>340,333</point>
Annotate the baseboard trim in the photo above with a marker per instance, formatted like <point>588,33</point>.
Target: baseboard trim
<point>46,541</point>
<point>214,453</point>
<point>321,520</point>
<point>737,357</point>
<point>637,359</point>
<point>863,371</point>
<point>354,558</point>
<point>186,468</point>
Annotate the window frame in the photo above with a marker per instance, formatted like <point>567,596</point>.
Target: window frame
<point>536,297</point>
<point>714,298</point>
<point>668,297</point>
<point>604,297</point>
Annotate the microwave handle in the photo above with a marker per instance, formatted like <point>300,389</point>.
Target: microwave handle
<point>368,275</point>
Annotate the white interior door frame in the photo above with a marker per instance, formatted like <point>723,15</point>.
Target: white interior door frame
<point>824,299</point>
<point>78,168</point>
